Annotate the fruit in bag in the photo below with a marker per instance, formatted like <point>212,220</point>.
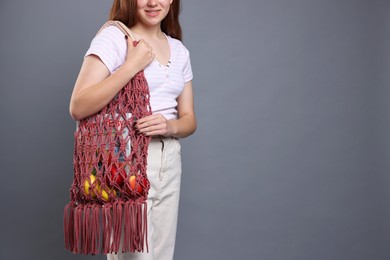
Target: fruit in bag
<point>97,189</point>
<point>116,175</point>
<point>135,186</point>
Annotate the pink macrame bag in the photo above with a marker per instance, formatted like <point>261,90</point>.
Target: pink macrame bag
<point>110,187</point>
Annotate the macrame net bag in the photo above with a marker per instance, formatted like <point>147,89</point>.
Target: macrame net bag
<point>110,187</point>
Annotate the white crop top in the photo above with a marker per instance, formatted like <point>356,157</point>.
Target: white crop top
<point>165,83</point>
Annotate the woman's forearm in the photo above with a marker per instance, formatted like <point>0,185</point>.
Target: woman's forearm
<point>184,126</point>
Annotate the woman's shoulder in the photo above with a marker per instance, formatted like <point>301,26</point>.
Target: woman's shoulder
<point>110,46</point>
<point>110,38</point>
<point>109,33</point>
<point>178,45</point>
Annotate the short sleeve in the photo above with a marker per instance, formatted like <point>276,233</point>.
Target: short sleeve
<point>110,46</point>
<point>187,70</point>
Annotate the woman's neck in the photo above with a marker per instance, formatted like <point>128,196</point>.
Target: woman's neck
<point>150,32</point>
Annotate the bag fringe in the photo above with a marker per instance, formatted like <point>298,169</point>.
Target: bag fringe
<point>97,229</point>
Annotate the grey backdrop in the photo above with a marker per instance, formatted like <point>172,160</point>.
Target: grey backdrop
<point>290,159</point>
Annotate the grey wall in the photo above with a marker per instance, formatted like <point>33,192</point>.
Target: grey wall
<point>290,160</point>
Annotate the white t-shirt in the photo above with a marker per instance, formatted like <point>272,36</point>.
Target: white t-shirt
<point>165,82</point>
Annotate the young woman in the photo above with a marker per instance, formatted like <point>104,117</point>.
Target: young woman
<point>110,62</point>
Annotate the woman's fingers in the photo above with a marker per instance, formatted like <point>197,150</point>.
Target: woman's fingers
<point>139,54</point>
<point>150,120</point>
<point>146,45</point>
<point>152,125</point>
<point>151,128</point>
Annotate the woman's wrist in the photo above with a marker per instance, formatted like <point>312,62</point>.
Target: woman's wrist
<point>129,69</point>
<point>172,127</point>
<point>183,127</point>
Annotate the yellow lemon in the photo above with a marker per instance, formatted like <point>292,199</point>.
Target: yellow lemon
<point>87,183</point>
<point>105,195</point>
<point>97,189</point>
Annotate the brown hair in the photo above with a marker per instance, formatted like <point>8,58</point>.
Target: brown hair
<point>126,12</point>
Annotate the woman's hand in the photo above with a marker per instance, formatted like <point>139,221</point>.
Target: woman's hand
<point>138,56</point>
<point>182,127</point>
<point>155,125</point>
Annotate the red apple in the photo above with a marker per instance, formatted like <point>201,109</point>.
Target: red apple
<point>116,175</point>
<point>136,186</point>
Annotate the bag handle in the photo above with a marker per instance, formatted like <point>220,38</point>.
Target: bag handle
<point>125,30</point>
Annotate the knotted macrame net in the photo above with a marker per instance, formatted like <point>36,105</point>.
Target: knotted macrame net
<point>110,187</point>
